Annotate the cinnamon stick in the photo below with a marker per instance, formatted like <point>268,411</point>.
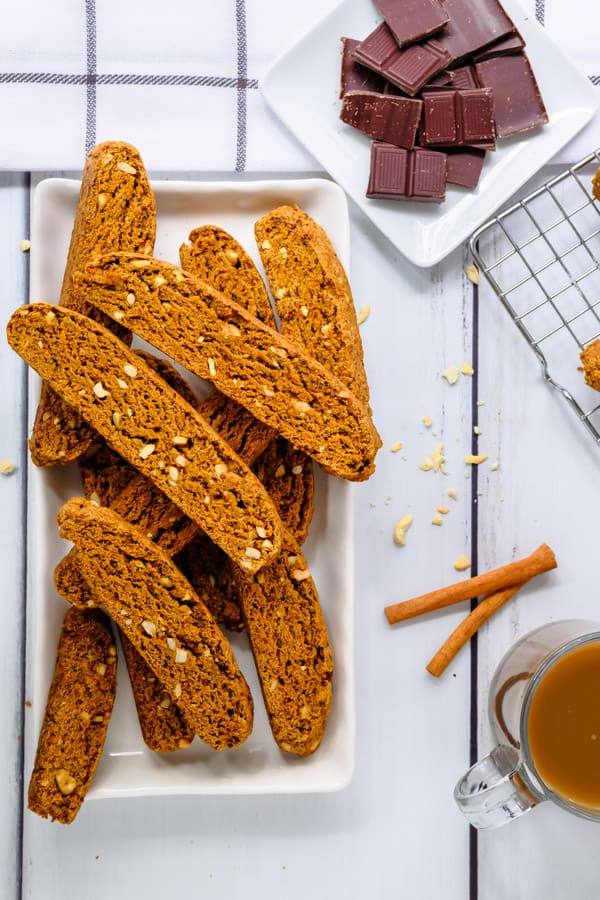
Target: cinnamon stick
<point>467,628</point>
<point>541,560</point>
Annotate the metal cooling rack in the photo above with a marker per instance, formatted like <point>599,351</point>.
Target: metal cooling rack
<point>542,258</point>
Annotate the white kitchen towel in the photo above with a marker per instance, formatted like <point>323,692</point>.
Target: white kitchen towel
<point>180,79</point>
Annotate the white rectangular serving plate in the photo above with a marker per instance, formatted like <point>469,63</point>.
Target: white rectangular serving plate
<point>302,88</point>
<point>128,768</point>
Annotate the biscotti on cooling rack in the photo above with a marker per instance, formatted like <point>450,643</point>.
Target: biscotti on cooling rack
<point>152,427</point>
<point>142,589</point>
<point>251,363</point>
<point>116,211</point>
<point>80,702</point>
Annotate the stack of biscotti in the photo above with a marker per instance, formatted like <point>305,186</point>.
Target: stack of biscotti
<point>220,490</point>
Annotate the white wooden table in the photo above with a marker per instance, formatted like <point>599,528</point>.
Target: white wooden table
<point>395,831</point>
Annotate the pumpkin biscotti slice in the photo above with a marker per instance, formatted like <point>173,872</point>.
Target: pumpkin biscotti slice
<point>291,649</point>
<point>80,702</point>
<point>219,341</point>
<point>161,722</point>
<point>311,293</point>
<point>151,426</point>
<point>141,588</point>
<point>116,211</point>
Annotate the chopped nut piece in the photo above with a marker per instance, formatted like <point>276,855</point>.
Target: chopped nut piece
<point>100,669</point>
<point>297,470</point>
<point>147,450</point>
<point>173,473</point>
<point>122,384</point>
<point>116,419</point>
<point>177,690</point>
<point>65,782</point>
<point>397,446</point>
<point>451,374</point>
<point>252,553</point>
<point>171,643</point>
<point>166,581</point>
<point>118,315</point>
<point>261,532</point>
<point>437,520</point>
<point>95,499</point>
<point>300,574</point>
<point>99,390</point>
<point>221,469</point>
<point>280,471</point>
<point>25,245</point>
<point>149,628</point>
<point>476,429</point>
<point>180,655</point>
<point>434,462</point>
<point>165,704</point>
<point>462,563</point>
<point>301,407</point>
<point>452,493</point>
<point>304,311</point>
<point>130,298</point>
<point>481,403</point>
<point>494,467</point>
<point>212,369</point>
<point>180,460</point>
<point>473,460</point>
<point>179,440</point>
<point>130,370</point>
<point>467,369</point>
<point>427,421</point>
<point>472,273</point>
<point>266,245</point>
<point>159,280</point>
<point>363,313</point>
<point>401,528</point>
<point>125,167</point>
<point>7,467</point>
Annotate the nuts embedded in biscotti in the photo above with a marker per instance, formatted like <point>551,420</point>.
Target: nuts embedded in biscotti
<point>252,553</point>
<point>300,574</point>
<point>122,384</point>
<point>65,782</point>
<point>100,391</point>
<point>212,369</point>
<point>173,473</point>
<point>125,167</point>
<point>159,280</point>
<point>231,255</point>
<point>100,669</point>
<point>301,407</point>
<point>221,469</point>
<point>130,298</point>
<point>165,581</point>
<point>180,460</point>
<point>118,315</point>
<point>177,690</point>
<point>179,440</point>
<point>116,419</point>
<point>149,628</point>
<point>261,532</point>
<point>147,450</point>
<point>180,655</point>
<point>130,370</point>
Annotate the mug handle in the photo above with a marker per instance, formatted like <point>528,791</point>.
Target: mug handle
<point>494,790</point>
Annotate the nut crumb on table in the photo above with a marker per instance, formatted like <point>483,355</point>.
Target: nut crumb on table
<point>7,467</point>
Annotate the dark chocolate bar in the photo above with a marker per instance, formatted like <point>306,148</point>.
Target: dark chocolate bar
<point>383,117</point>
<point>411,20</point>
<point>398,174</point>
<point>473,26</point>
<point>409,68</point>
<point>513,43</point>
<point>457,118</point>
<point>464,166</point>
<point>518,103</point>
<point>353,76</point>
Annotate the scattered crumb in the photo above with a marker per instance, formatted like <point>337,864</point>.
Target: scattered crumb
<point>7,467</point>
<point>473,460</point>
<point>462,563</point>
<point>444,510</point>
<point>494,467</point>
<point>397,446</point>
<point>372,505</point>
<point>427,421</point>
<point>476,429</point>
<point>363,313</point>
<point>435,462</point>
<point>28,703</point>
<point>451,374</point>
<point>472,273</point>
<point>401,528</point>
<point>437,520</point>
<point>452,493</point>
<point>467,369</point>
<point>25,245</point>
<point>481,403</point>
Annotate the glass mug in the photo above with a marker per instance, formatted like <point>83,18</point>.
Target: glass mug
<point>544,707</point>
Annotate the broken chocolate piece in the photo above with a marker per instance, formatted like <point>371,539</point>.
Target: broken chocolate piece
<point>398,174</point>
<point>411,20</point>
<point>464,78</point>
<point>457,118</point>
<point>473,26</point>
<point>383,117</point>
<point>409,68</point>
<point>464,166</point>
<point>518,104</point>
<point>353,76</point>
<point>513,43</point>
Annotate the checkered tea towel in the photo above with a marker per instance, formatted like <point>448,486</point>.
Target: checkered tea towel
<point>180,79</point>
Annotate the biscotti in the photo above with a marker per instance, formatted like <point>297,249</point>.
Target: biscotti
<point>80,702</point>
<point>290,644</point>
<point>209,571</point>
<point>152,427</point>
<point>161,721</point>
<point>288,476</point>
<point>144,591</point>
<point>311,293</point>
<point>251,363</point>
<point>216,258</point>
<point>116,211</point>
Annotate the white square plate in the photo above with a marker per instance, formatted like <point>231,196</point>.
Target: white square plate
<point>302,87</point>
<point>128,768</point>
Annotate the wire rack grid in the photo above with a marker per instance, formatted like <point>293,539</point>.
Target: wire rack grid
<point>542,258</point>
